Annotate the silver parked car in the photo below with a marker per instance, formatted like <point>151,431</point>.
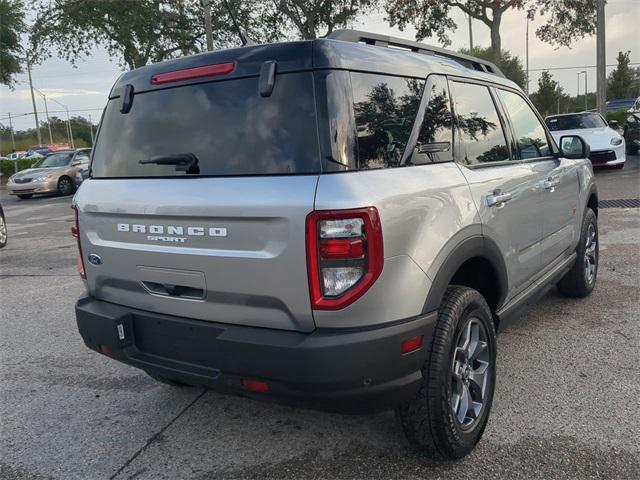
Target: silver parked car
<point>55,173</point>
<point>330,222</point>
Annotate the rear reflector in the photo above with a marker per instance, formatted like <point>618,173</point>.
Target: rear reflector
<point>341,248</point>
<point>411,345</point>
<point>255,386</point>
<point>191,73</point>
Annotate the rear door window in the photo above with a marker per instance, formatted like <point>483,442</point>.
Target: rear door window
<point>227,125</point>
<point>481,138</point>
<point>435,138</point>
<point>385,108</point>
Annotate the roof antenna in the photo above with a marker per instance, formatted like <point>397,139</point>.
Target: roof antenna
<point>242,36</point>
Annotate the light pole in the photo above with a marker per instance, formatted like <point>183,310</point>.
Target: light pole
<point>601,61</point>
<point>13,140</point>
<point>69,131</point>
<point>527,54</point>
<point>46,110</point>
<point>585,90</point>
<point>585,87</point>
<point>206,4</point>
<point>33,102</point>
<point>91,130</point>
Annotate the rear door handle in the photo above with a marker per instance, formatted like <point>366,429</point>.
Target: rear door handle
<point>498,199</point>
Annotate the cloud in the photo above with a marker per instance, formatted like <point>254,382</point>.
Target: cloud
<point>55,93</point>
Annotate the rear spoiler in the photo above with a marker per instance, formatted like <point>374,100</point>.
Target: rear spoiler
<point>357,36</point>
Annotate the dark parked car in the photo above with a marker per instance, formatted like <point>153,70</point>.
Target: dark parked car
<point>632,133</point>
<point>620,104</point>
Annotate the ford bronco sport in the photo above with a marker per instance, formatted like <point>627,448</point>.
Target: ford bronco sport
<point>332,222</point>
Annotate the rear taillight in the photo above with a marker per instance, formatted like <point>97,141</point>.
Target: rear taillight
<point>75,232</point>
<point>344,255</point>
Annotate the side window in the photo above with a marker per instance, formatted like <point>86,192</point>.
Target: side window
<point>82,157</point>
<point>480,135</point>
<point>385,108</point>
<point>435,139</point>
<point>530,134</point>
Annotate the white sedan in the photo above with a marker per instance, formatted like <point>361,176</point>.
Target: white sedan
<point>607,145</point>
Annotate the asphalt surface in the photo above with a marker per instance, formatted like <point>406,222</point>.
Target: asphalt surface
<point>567,402</point>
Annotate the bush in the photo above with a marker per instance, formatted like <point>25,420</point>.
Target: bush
<point>619,116</point>
<point>8,167</point>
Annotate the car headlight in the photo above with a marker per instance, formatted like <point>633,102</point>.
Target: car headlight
<point>41,179</point>
<point>616,141</point>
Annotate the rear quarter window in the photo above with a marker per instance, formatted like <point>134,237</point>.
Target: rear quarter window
<point>385,108</point>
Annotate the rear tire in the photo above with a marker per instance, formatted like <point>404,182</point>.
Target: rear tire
<point>431,421</point>
<point>25,196</point>
<point>581,279</point>
<point>65,186</point>
<point>167,381</point>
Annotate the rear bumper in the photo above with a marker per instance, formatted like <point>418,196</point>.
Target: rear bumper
<point>354,371</point>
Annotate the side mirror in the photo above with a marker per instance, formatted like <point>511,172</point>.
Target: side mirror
<point>574,147</point>
<point>76,163</point>
<point>614,124</point>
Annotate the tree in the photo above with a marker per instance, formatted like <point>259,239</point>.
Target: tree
<point>11,26</point>
<point>567,19</point>
<point>311,18</point>
<point>142,31</point>
<point>546,98</point>
<point>624,80</point>
<point>511,66</point>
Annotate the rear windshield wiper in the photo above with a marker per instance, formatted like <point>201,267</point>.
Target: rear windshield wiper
<point>184,162</point>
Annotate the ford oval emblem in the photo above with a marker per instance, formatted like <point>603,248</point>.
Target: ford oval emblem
<point>94,259</point>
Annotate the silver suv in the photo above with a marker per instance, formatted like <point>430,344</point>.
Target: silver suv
<point>331,222</point>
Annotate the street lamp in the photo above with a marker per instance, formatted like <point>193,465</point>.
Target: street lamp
<point>585,87</point>
<point>46,109</point>
<point>69,131</point>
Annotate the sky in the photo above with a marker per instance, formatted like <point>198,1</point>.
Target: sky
<point>83,89</point>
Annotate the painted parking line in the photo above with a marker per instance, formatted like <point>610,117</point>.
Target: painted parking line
<point>14,225</point>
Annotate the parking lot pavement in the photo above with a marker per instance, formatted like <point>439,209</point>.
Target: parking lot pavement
<point>566,403</point>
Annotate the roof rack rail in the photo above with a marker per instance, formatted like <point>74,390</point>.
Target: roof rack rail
<point>378,40</point>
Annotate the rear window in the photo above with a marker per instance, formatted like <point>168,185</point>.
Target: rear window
<point>227,125</point>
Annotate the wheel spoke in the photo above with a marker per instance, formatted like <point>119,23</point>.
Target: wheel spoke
<point>479,347</point>
<point>478,381</point>
<point>457,370</point>
<point>467,338</point>
<point>456,397</point>
<point>463,407</point>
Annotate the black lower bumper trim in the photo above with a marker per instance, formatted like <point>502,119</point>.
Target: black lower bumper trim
<point>357,371</point>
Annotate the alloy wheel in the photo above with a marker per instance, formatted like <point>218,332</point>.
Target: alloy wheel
<point>591,254</point>
<point>470,373</point>
<point>64,186</point>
